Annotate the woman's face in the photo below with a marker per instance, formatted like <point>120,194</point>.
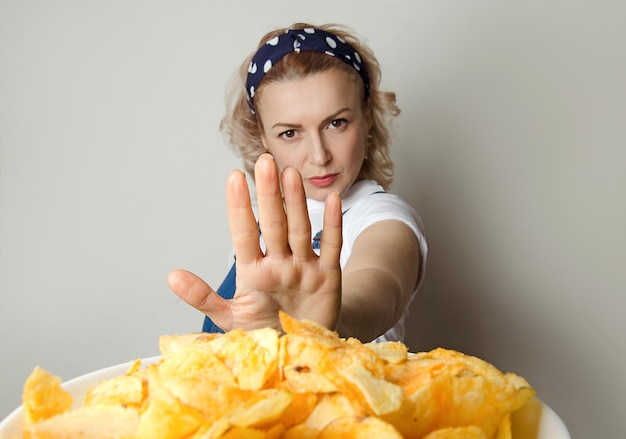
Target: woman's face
<point>317,125</point>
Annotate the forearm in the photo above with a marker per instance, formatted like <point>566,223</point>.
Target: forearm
<point>377,285</point>
<point>373,301</point>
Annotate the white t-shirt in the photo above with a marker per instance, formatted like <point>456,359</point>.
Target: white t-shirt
<point>364,204</point>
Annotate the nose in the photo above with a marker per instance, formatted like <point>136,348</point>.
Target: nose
<point>318,151</point>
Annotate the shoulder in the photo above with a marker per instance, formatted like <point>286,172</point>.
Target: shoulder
<point>379,206</point>
<point>376,207</point>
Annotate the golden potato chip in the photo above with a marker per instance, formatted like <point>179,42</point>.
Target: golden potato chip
<point>390,351</point>
<point>469,432</point>
<point>448,389</point>
<point>205,396</point>
<point>329,408</point>
<point>266,340</point>
<point>353,350</point>
<point>292,325</point>
<point>316,333</point>
<point>168,344</point>
<point>211,430</point>
<point>311,356</point>
<point>381,396</point>
<point>262,407</point>
<point>357,427</point>
<point>43,396</point>
<point>244,408</point>
<point>165,416</point>
<point>126,390</point>
<point>504,429</point>
<point>301,406</point>
<point>276,431</point>
<point>93,422</point>
<point>244,433</point>
<point>196,362</point>
<point>134,367</point>
<point>251,356</point>
<point>235,432</point>
<point>306,366</point>
<point>300,431</point>
<point>525,421</point>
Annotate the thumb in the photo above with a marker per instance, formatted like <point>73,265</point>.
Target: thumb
<point>196,292</point>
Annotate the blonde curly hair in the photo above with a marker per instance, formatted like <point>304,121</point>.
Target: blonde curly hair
<point>242,128</point>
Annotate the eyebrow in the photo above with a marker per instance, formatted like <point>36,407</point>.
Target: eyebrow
<point>324,122</point>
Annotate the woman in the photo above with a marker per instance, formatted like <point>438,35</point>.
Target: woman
<point>311,124</point>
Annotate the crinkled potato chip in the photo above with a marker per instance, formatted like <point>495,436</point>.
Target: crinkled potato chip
<point>356,427</point>
<point>504,429</point>
<point>381,395</point>
<point>301,431</point>
<point>260,409</point>
<point>306,366</point>
<point>331,407</point>
<point>96,421</point>
<point>43,396</point>
<point>306,383</point>
<point>170,343</point>
<point>449,389</point>
<point>300,408</point>
<point>469,432</point>
<point>251,356</point>
<point>389,351</point>
<point>165,416</point>
<point>128,390</point>
<point>196,362</point>
<point>244,433</point>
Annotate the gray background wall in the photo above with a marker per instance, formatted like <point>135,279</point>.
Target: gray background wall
<point>511,145</point>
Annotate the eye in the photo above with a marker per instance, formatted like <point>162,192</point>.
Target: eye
<point>338,123</point>
<point>289,134</point>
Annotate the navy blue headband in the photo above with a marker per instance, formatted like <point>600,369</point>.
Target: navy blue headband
<point>298,40</point>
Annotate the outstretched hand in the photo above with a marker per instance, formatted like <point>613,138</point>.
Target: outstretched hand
<point>289,276</point>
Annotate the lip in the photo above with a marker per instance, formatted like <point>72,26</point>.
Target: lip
<point>323,180</point>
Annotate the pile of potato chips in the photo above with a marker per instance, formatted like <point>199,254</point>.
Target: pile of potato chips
<point>305,383</point>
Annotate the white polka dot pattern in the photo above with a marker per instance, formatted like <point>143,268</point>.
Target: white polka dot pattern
<point>297,40</point>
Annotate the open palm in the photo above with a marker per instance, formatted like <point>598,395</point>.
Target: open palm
<point>289,276</point>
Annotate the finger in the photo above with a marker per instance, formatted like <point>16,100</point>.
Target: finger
<point>196,293</point>
<point>298,223</point>
<point>243,228</point>
<point>272,218</point>
<point>330,245</point>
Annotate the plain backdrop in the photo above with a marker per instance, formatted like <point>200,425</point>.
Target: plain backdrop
<point>511,145</point>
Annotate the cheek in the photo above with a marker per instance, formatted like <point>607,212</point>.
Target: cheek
<point>285,153</point>
<point>360,143</point>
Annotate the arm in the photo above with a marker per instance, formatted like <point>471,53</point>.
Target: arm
<point>378,285</point>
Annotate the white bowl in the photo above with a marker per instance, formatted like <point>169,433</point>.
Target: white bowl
<point>533,421</point>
